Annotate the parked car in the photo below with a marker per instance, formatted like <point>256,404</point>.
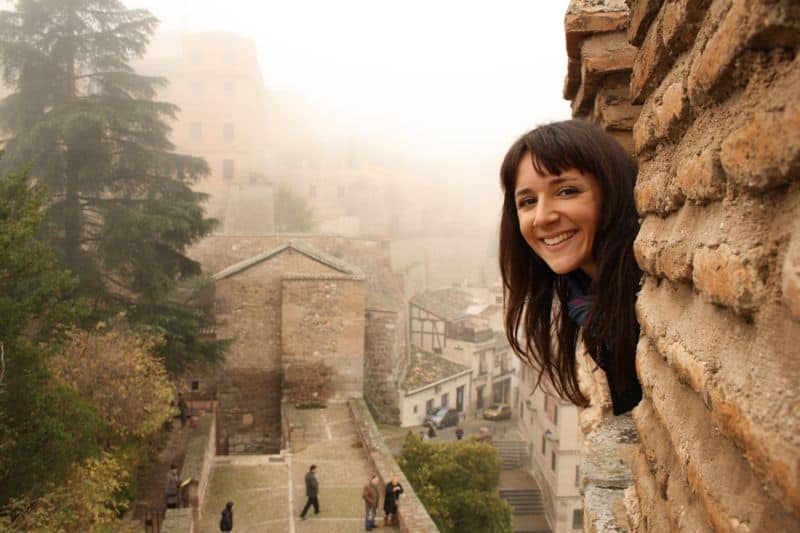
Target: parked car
<point>442,418</point>
<point>497,411</point>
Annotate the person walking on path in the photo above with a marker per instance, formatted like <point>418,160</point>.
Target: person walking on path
<point>173,485</point>
<point>183,410</point>
<point>390,498</point>
<point>312,491</point>
<point>371,497</point>
<point>226,521</point>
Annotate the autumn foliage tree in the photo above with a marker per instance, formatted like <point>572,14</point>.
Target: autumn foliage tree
<point>119,372</point>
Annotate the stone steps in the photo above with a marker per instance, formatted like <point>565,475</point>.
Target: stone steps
<point>513,453</point>
<point>523,501</point>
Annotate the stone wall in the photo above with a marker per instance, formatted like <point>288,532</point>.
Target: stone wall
<point>322,327</point>
<point>718,145</point>
<point>413,516</point>
<point>385,341</point>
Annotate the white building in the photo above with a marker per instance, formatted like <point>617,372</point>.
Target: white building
<point>550,427</point>
<point>431,382</point>
<point>456,323</point>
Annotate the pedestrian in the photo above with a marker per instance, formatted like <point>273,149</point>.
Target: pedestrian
<point>183,410</point>
<point>431,432</point>
<point>172,487</point>
<point>226,521</point>
<point>423,435</point>
<point>390,499</point>
<point>371,496</point>
<point>567,230</point>
<point>459,433</point>
<point>312,491</point>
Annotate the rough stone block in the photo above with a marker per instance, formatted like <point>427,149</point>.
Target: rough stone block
<point>577,26</point>
<point>661,479</point>
<point>651,64</point>
<point>670,110</point>
<point>602,55</point>
<point>790,283</point>
<point>656,191</point>
<point>729,277</point>
<point>700,178</point>
<point>765,151</point>
<point>759,24</point>
<point>640,17</point>
<point>613,109</point>
<point>724,483</point>
<point>663,250</point>
<point>607,452</point>
<point>680,23</point>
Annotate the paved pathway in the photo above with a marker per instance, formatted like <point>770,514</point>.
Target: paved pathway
<point>269,492</point>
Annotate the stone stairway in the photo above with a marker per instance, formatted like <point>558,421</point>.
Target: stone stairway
<point>514,453</point>
<point>523,501</point>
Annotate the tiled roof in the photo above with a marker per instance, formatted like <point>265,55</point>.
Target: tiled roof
<point>335,263</point>
<point>426,368</point>
<point>449,304</point>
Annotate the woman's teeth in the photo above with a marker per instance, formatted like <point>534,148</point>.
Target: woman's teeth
<point>559,238</point>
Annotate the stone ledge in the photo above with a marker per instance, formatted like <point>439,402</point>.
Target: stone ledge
<point>607,454</point>
<point>604,511</point>
<point>178,521</point>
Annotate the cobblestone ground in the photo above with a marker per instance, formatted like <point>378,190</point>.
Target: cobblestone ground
<point>268,495</point>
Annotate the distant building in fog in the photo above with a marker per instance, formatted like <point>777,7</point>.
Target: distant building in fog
<point>216,81</point>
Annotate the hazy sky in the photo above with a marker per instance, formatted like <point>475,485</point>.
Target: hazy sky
<point>446,77</point>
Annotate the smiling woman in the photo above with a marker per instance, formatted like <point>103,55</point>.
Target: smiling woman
<point>566,234</point>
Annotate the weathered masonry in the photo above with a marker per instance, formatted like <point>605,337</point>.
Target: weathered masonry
<point>706,94</point>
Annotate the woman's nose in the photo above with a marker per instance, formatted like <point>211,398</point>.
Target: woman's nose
<point>545,214</point>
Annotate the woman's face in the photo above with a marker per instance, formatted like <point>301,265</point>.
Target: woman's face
<point>558,216</point>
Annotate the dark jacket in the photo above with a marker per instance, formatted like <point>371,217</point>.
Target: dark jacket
<point>390,497</point>
<point>226,522</point>
<point>312,485</point>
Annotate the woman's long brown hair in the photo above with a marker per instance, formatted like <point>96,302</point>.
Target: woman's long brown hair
<point>531,318</point>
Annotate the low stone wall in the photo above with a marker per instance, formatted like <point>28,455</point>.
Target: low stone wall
<point>412,514</point>
<point>200,452</point>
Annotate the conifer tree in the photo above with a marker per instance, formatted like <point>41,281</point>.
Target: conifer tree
<point>122,210</point>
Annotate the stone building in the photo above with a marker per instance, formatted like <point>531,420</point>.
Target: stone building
<point>384,322</point>
<point>215,80</point>
<point>297,317</point>
<point>710,91</point>
<point>549,425</point>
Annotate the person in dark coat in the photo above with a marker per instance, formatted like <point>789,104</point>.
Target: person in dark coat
<point>312,491</point>
<point>183,410</point>
<point>226,521</point>
<point>172,487</point>
<point>390,498</point>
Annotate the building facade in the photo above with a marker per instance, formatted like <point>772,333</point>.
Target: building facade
<point>432,382</point>
<point>550,427</point>
<point>215,80</point>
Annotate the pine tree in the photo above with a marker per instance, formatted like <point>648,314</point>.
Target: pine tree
<point>122,210</point>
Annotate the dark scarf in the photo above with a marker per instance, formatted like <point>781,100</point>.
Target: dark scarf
<point>579,303</point>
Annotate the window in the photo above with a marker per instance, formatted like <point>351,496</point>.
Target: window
<point>479,397</point>
<point>577,475</point>
<point>227,131</point>
<point>555,414</point>
<point>227,169</point>
<point>444,399</point>
<point>196,131</point>
<point>460,398</point>
<point>482,364</point>
<point>577,519</point>
<point>437,389</point>
<point>429,406</point>
<point>544,444</point>
<point>551,408</point>
<point>553,460</point>
<point>415,409</point>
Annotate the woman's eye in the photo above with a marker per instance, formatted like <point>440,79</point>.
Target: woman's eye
<point>567,191</point>
<point>525,202</point>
